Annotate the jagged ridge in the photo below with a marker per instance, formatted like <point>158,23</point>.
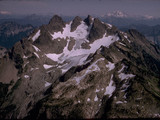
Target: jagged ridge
<point>82,69</point>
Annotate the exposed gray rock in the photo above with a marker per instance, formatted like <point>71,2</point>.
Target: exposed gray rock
<point>71,44</point>
<point>97,31</point>
<point>76,22</point>
<point>47,45</point>
<point>8,71</point>
<point>56,24</point>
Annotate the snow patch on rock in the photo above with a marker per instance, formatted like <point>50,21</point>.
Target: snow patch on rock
<point>47,66</point>
<point>110,88</point>
<point>36,48</point>
<point>110,66</point>
<point>119,102</point>
<point>26,76</point>
<point>47,84</point>
<point>26,64</point>
<point>91,68</point>
<point>36,54</point>
<point>124,76</point>
<point>80,33</point>
<point>96,98</point>
<point>110,26</point>
<point>24,57</point>
<point>36,35</point>
<point>34,69</point>
<point>122,44</point>
<point>88,99</point>
<point>125,86</point>
<point>157,115</point>
<point>97,90</point>
<point>123,66</point>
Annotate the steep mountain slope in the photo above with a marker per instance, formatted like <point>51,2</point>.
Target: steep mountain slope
<point>81,69</point>
<point>152,33</point>
<point>11,32</point>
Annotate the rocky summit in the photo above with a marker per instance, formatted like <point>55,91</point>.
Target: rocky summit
<point>81,69</point>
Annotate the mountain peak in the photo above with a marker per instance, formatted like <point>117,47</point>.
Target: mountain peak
<point>55,18</point>
<point>97,31</point>
<point>118,14</point>
<point>76,22</point>
<point>88,20</point>
<point>56,23</point>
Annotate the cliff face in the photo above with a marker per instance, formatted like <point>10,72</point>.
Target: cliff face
<point>81,69</point>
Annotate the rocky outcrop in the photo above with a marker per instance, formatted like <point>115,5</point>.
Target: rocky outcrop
<point>56,24</point>
<point>76,22</point>
<point>97,31</point>
<point>8,71</point>
<point>88,20</point>
<point>46,44</point>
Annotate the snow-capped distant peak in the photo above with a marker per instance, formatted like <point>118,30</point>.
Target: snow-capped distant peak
<point>148,17</point>
<point>117,14</point>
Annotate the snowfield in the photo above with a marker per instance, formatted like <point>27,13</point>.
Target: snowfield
<point>110,88</point>
<point>47,66</point>
<point>78,55</point>
<point>47,84</point>
<point>110,66</point>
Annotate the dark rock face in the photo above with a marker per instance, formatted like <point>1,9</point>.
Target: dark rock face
<point>88,20</point>
<point>46,44</point>
<point>152,33</point>
<point>135,33</point>
<point>112,31</point>
<point>56,24</point>
<point>97,31</point>
<point>76,22</point>
<point>142,42</point>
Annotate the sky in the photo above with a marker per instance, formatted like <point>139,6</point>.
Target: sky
<point>80,7</point>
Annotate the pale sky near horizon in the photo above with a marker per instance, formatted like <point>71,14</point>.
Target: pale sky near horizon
<point>80,7</point>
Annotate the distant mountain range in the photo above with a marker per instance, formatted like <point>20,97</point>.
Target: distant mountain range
<point>33,19</point>
<point>147,25</point>
<point>117,14</point>
<point>152,33</point>
<point>11,32</point>
<point>120,14</point>
<point>117,18</point>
